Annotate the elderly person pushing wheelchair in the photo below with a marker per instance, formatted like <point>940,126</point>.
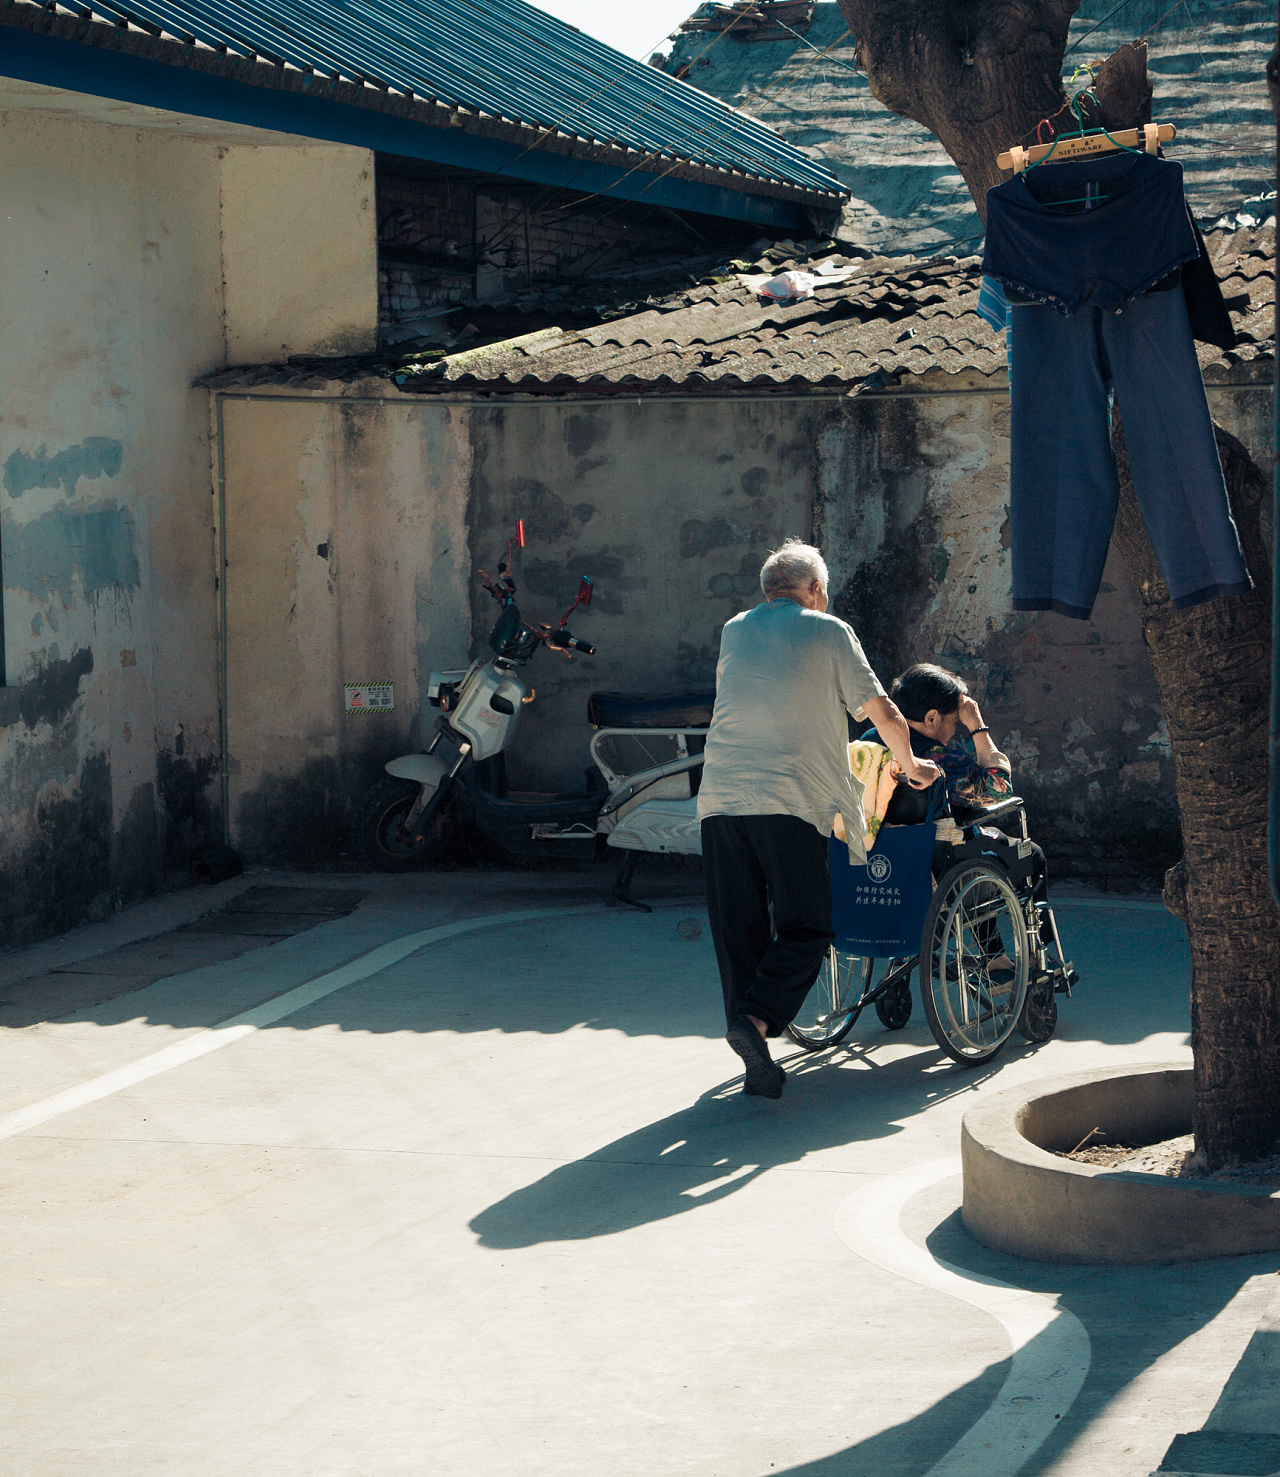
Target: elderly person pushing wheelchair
<point>775,777</point>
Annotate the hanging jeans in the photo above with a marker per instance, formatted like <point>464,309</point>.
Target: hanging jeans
<point>1064,372</point>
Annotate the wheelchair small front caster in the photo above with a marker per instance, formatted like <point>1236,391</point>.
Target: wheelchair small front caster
<point>894,1007</point>
<point>1038,1018</point>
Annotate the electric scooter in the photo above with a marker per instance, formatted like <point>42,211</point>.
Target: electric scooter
<point>640,791</point>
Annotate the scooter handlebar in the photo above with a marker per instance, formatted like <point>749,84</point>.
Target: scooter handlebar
<point>565,642</point>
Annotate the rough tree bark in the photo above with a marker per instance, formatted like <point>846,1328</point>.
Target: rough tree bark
<point>980,75</point>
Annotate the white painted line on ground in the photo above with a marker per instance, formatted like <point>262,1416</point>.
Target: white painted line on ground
<point>236,1027</point>
<point>1051,1350</point>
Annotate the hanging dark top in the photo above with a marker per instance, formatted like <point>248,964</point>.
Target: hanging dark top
<point>1045,246</point>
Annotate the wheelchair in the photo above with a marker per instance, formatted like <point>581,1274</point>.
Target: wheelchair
<point>989,909</point>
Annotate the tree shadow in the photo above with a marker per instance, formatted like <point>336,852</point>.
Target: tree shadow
<point>1133,1315</point>
<point>600,969</point>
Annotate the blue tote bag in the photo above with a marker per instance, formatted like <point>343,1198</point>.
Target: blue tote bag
<point>878,910</point>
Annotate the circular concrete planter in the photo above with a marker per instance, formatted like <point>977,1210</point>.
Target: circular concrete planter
<point>1022,1198</point>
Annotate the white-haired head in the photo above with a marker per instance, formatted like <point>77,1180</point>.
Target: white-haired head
<point>792,568</point>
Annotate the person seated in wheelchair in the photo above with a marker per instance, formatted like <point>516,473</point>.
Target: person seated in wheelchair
<point>947,727</point>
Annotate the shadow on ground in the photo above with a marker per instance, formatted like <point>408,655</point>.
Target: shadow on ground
<point>596,968</point>
<point>694,1157</point>
<point>1133,1315</point>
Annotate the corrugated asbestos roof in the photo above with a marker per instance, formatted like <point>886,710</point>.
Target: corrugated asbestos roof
<point>893,317</point>
<point>498,58</point>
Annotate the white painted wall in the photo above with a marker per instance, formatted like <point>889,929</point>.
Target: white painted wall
<point>299,252</point>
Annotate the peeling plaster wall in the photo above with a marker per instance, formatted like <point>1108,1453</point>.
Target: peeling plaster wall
<point>110,301</point>
<point>669,505</point>
<point>347,561</point>
<point>135,260</point>
<point>672,504</point>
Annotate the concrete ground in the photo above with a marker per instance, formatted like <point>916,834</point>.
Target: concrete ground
<point>465,1198</point>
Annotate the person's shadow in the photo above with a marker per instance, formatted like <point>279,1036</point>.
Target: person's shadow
<point>719,1144</point>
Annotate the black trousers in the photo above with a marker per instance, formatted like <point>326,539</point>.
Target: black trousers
<point>768,884</point>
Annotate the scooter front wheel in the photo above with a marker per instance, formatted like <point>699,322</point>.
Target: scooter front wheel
<point>376,827</point>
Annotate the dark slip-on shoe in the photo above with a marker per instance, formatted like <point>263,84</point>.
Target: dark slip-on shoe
<point>763,1076</point>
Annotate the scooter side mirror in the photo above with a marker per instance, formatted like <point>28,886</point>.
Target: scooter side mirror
<point>585,588</point>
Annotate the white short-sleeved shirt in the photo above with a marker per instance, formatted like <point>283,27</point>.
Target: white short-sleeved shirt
<point>779,741</point>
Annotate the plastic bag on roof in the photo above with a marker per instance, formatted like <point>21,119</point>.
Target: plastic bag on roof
<point>788,287</point>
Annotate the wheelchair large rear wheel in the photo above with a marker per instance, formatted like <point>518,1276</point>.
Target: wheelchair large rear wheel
<point>975,918</point>
<point>835,1002</point>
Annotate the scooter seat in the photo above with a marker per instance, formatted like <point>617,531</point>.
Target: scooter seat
<point>630,710</point>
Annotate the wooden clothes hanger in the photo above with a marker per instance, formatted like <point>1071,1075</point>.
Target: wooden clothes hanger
<point>1087,142</point>
<point>1146,139</point>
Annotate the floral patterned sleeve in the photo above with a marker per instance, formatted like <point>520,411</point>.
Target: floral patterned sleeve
<point>969,781</point>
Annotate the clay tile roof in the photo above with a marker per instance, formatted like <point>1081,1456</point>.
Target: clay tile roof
<point>1245,263</point>
<point>889,315</point>
<point>888,318</point>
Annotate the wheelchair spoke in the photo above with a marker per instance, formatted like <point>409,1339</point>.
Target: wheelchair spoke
<point>975,918</point>
<point>835,1001</point>
<point>987,914</point>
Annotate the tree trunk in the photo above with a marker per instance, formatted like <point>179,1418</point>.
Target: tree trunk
<point>981,76</point>
<point>1213,667</point>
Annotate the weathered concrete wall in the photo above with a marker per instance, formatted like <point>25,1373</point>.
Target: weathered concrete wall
<point>913,510</point>
<point>347,561</point>
<point>116,242</point>
<point>670,505</point>
<point>299,252</point>
<point>109,709</point>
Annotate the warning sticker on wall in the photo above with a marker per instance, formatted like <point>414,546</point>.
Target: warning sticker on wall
<point>369,697</point>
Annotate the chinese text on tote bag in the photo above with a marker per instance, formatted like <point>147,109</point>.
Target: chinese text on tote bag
<point>878,910</point>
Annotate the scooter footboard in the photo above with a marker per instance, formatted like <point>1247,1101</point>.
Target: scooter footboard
<point>668,826</point>
<point>653,776</point>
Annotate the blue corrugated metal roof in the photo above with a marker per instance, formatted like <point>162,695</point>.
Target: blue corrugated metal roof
<point>503,58</point>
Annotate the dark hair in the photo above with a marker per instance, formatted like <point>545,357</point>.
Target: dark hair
<point>926,686</point>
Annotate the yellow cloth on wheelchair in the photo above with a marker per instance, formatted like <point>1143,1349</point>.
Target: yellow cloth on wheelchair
<point>877,770</point>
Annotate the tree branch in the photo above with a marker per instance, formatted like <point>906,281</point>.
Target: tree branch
<point>979,74</point>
